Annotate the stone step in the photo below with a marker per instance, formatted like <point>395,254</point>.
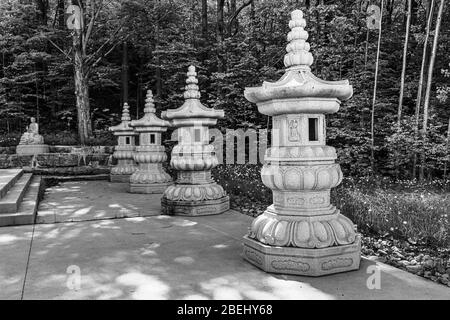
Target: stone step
<point>27,209</point>
<point>11,201</point>
<point>8,178</point>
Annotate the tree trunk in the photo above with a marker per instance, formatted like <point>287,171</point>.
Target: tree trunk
<point>414,11</point>
<point>253,31</point>
<point>158,66</point>
<point>219,35</point>
<point>124,72</point>
<point>420,88</point>
<point>61,20</point>
<point>448,150</point>
<point>372,120</point>
<point>405,52</point>
<point>429,82</point>
<point>42,11</point>
<point>402,82</point>
<point>366,51</point>
<point>139,89</point>
<point>83,106</point>
<point>205,21</point>
<point>81,77</point>
<point>232,25</point>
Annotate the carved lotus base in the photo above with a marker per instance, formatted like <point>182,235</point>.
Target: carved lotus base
<point>301,261</point>
<point>195,208</point>
<point>148,188</point>
<point>123,168</point>
<point>119,178</point>
<point>150,177</point>
<point>31,149</point>
<point>194,192</point>
<point>319,231</point>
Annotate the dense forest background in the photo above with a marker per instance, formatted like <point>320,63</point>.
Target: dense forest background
<point>135,45</point>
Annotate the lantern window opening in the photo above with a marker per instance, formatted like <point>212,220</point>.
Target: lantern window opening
<point>152,138</point>
<point>313,129</point>
<point>197,135</point>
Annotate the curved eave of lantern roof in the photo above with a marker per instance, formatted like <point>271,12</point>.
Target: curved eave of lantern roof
<point>150,122</point>
<point>192,108</point>
<point>122,129</point>
<point>298,83</point>
<point>193,122</point>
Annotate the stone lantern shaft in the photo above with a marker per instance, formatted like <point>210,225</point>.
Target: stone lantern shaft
<point>301,232</point>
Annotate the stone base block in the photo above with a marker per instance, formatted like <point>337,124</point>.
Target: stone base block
<point>301,261</point>
<point>32,149</point>
<point>195,208</point>
<point>148,188</point>
<point>119,177</point>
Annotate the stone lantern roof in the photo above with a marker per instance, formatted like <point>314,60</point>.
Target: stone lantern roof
<point>298,82</point>
<point>149,122</point>
<point>192,111</point>
<point>124,128</point>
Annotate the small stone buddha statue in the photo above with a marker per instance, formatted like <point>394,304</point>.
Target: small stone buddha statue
<point>32,136</point>
<point>31,142</point>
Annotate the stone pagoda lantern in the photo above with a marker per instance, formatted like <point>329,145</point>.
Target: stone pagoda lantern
<point>301,233</point>
<point>194,192</point>
<point>150,177</point>
<point>124,150</point>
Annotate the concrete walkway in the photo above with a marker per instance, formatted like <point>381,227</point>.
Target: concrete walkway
<point>150,256</point>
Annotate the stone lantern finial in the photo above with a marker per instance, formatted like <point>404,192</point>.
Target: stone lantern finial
<point>126,112</point>
<point>149,102</point>
<point>191,89</point>
<point>298,55</point>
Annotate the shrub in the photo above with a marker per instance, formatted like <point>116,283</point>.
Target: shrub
<point>243,179</point>
<point>10,140</point>
<point>68,138</point>
<point>64,138</point>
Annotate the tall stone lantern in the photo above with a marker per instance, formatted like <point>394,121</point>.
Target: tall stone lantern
<point>124,150</point>
<point>301,233</point>
<point>150,177</point>
<point>194,192</point>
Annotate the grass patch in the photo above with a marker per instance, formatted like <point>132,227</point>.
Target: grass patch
<point>417,212</point>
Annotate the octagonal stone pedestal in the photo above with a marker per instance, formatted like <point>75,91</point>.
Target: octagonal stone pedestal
<point>150,188</point>
<point>303,261</point>
<point>196,208</point>
<point>124,169</point>
<point>31,149</point>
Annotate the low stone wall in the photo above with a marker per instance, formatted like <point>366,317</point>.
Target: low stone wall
<point>82,150</point>
<point>60,164</point>
<point>7,150</point>
<point>68,149</point>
